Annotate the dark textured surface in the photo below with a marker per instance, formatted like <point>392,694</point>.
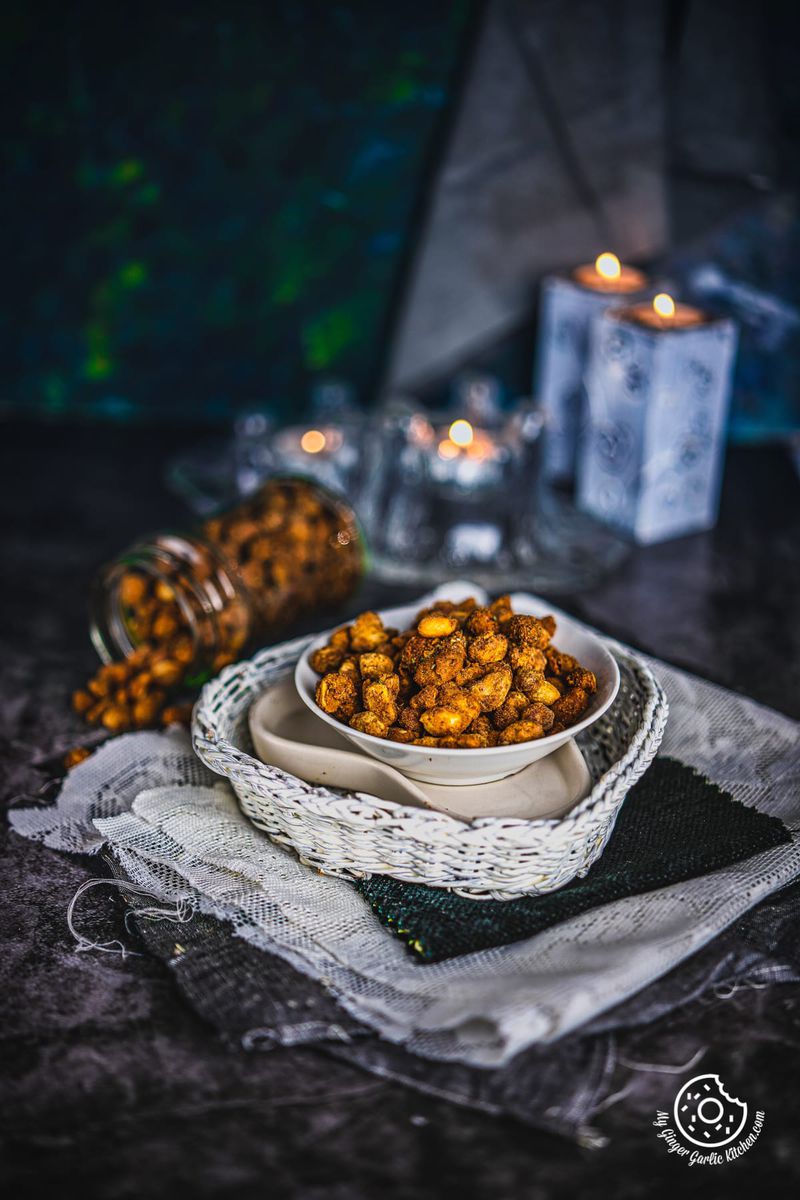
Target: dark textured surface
<point>114,1088</point>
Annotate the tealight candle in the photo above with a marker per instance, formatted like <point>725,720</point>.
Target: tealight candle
<point>569,302</point>
<point>663,313</point>
<point>466,457</point>
<point>658,384</point>
<point>607,274</point>
<point>322,454</point>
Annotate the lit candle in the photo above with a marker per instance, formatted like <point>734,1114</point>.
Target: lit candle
<point>658,385</point>
<point>608,274</point>
<point>313,441</point>
<point>323,454</point>
<point>663,313</point>
<point>466,457</point>
<point>569,303</point>
<point>462,433</point>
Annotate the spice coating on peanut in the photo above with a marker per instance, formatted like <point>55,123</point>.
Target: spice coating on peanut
<point>491,690</point>
<point>443,722</point>
<point>488,648</point>
<point>520,731</point>
<point>337,694</point>
<point>369,722</point>
<point>373,665</point>
<point>367,632</point>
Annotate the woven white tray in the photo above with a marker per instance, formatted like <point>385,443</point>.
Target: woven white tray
<point>355,835</point>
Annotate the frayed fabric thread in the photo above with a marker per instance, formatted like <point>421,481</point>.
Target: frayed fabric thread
<point>664,1068</point>
<point>726,991</point>
<point>293,1035</point>
<point>182,912</point>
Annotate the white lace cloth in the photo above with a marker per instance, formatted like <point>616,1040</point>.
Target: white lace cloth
<point>176,829</point>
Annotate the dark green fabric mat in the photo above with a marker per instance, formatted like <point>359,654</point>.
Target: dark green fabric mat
<point>675,824</point>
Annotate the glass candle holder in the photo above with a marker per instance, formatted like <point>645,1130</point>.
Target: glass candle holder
<point>446,497</point>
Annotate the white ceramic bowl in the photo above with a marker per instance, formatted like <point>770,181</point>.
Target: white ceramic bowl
<point>433,764</point>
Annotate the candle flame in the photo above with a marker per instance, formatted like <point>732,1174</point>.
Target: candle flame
<point>664,305</point>
<point>462,433</point>
<point>608,266</point>
<point>447,449</point>
<point>312,441</point>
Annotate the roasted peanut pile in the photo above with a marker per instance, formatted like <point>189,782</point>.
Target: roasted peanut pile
<point>278,554</point>
<point>463,677</point>
<point>293,548</point>
<point>137,693</point>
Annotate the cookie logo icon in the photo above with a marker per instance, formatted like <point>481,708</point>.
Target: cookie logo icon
<point>706,1115</point>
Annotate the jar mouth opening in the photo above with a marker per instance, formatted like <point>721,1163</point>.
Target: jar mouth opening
<point>107,626</point>
<point>109,630</point>
<point>167,559</point>
<point>201,597</point>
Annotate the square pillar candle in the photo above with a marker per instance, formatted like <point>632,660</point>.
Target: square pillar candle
<point>658,385</point>
<point>569,302</point>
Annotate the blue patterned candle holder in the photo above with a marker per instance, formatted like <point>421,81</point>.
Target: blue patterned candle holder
<point>658,385</point>
<point>568,305</point>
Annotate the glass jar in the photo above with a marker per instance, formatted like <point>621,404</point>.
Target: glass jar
<point>191,602</point>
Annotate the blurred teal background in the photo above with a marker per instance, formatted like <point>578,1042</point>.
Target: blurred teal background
<point>208,205</point>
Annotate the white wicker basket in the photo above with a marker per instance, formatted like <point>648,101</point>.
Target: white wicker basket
<point>356,835</point>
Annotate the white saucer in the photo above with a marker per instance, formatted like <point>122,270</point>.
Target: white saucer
<point>288,735</point>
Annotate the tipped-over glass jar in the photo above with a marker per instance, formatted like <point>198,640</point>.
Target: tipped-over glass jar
<point>175,608</point>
